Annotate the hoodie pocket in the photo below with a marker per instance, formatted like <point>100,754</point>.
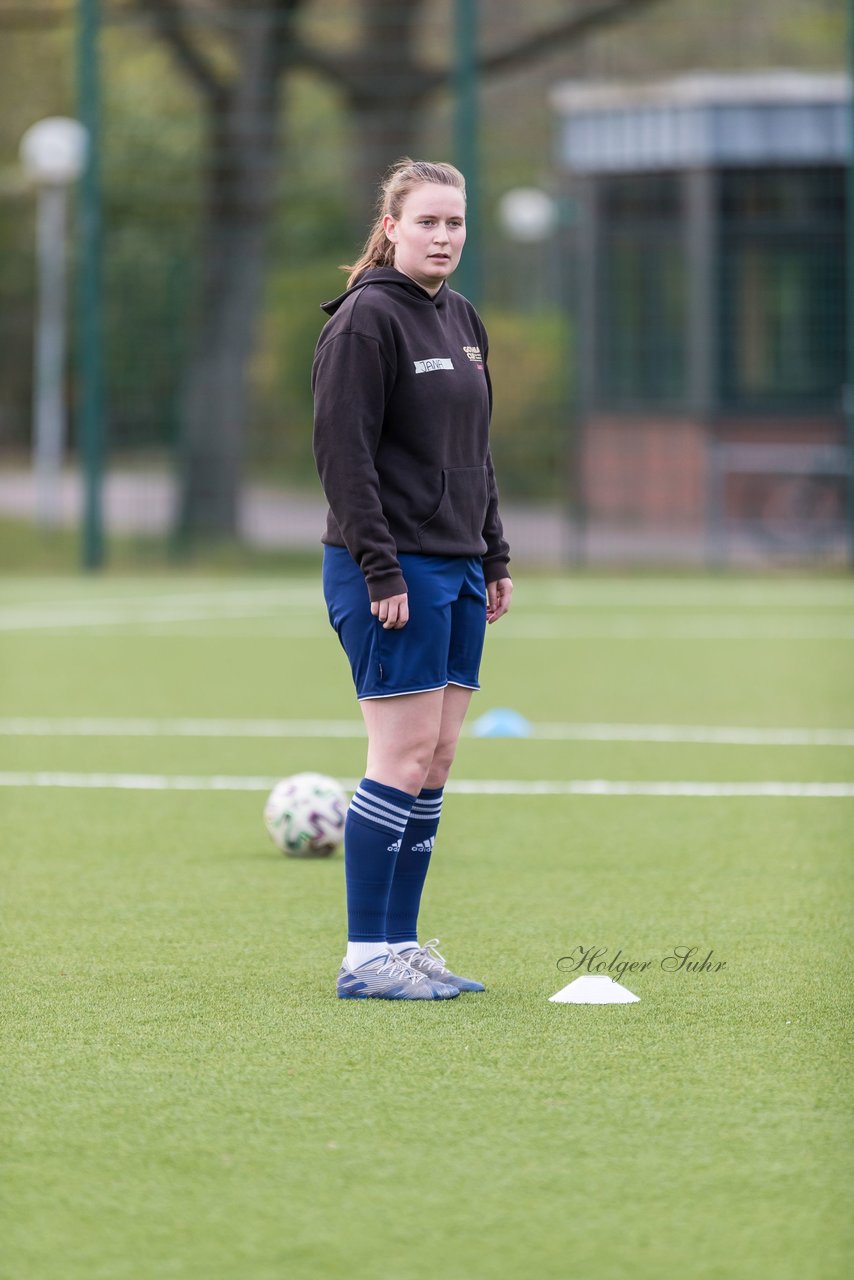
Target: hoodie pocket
<point>456,526</point>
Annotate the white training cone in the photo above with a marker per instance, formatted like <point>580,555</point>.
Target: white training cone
<point>594,988</point>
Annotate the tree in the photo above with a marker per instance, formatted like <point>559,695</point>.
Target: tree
<point>385,85</point>
<point>242,112</point>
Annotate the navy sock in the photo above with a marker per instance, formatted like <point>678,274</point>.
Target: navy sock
<point>376,821</point>
<point>411,868</point>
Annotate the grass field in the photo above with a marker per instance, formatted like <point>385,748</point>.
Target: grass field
<point>183,1096</point>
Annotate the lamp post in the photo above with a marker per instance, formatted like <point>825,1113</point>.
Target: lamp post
<point>53,153</point>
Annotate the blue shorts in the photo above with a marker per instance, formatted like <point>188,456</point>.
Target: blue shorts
<point>441,643</point>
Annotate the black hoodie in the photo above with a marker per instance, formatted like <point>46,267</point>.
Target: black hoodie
<point>402,402</point>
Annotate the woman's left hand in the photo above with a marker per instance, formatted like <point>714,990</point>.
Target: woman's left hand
<point>498,598</point>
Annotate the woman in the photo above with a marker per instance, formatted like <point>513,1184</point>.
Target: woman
<point>415,561</point>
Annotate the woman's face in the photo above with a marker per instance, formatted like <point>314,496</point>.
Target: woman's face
<point>429,235</point>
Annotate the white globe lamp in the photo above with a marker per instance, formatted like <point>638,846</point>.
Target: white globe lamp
<point>527,214</point>
<point>53,154</point>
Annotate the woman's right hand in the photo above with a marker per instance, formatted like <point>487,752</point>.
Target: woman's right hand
<point>393,613</point>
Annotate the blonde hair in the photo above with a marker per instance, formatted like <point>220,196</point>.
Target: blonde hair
<point>400,180</point>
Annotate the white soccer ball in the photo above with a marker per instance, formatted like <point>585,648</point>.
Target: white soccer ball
<point>305,815</point>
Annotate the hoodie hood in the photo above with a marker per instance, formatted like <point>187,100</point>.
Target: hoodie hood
<point>387,277</point>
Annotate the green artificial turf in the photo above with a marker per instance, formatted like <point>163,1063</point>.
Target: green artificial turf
<point>183,1096</point>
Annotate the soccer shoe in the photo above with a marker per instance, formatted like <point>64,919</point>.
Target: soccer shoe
<point>389,977</point>
<point>428,961</point>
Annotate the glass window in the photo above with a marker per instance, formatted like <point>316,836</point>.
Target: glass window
<point>642,293</point>
<point>796,196</point>
<point>782,282</point>
<point>640,198</point>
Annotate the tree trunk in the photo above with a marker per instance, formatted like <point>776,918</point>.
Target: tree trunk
<point>385,85</point>
<point>384,96</point>
<point>241,188</point>
<point>385,130</point>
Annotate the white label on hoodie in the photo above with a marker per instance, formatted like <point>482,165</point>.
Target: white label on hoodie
<point>438,362</point>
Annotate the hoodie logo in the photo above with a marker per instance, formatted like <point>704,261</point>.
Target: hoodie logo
<point>437,362</point>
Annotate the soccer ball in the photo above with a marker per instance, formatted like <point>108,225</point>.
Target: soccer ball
<point>305,814</point>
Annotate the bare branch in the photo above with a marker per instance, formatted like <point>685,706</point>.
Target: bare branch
<point>338,69</point>
<point>284,47</point>
<point>170,23</point>
<point>34,16</point>
<point>348,71</point>
<point>575,26</point>
<point>358,80</point>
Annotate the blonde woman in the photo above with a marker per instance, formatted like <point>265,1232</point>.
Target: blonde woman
<point>415,560</point>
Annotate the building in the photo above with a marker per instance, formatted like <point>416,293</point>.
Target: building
<point>708,232</point>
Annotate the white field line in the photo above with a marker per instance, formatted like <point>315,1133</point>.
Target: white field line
<point>714,626</point>
<point>263,603</point>
<point>295,627</point>
<point>533,592</point>
<point>140,727</point>
<point>708,735</point>
<point>272,624</point>
<point>298,610</point>
<point>66,593</point>
<point>485,787</point>
<point>147,727</point>
<point>569,594</point>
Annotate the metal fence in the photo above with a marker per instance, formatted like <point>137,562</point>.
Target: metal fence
<point>668,342</point>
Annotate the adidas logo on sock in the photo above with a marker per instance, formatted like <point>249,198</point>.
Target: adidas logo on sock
<point>426,846</point>
<point>394,848</point>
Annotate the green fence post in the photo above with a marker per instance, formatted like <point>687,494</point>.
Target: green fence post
<point>849,301</point>
<point>89,357</point>
<point>467,279</point>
